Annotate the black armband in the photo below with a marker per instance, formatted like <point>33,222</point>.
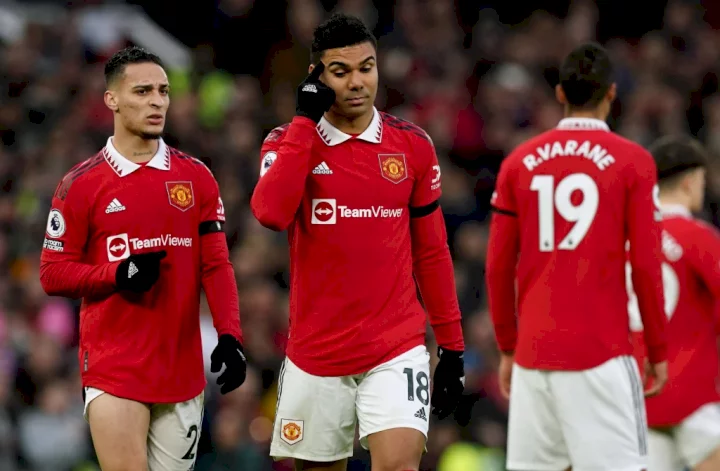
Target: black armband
<point>208,227</point>
<point>423,211</point>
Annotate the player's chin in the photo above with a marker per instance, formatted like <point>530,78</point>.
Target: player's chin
<point>355,111</point>
<point>152,132</point>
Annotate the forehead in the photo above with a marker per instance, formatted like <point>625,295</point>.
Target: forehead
<point>350,55</point>
<point>146,73</point>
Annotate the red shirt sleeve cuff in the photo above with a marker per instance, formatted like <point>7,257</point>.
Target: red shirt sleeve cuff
<point>657,354</point>
<point>450,336</point>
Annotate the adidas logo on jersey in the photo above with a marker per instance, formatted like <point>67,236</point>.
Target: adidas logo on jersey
<point>115,206</point>
<point>132,270</point>
<point>420,414</point>
<point>322,169</point>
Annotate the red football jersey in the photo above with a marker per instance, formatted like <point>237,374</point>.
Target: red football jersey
<point>565,204</point>
<point>691,281</point>
<point>353,299</point>
<point>144,347</point>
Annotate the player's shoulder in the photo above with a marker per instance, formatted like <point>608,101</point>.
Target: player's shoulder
<point>188,162</point>
<point>404,128</point>
<point>701,226</point>
<point>276,135</point>
<point>688,229</point>
<point>624,146</point>
<point>80,175</point>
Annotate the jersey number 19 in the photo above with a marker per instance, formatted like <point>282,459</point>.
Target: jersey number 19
<point>560,198</point>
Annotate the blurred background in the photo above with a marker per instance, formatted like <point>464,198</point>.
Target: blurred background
<point>477,75</point>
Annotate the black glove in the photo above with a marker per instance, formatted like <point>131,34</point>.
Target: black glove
<point>448,382</point>
<point>230,352</point>
<point>314,98</point>
<point>139,272</point>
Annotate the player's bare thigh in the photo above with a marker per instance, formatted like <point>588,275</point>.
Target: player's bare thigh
<point>301,465</point>
<point>396,449</point>
<point>711,463</point>
<point>119,429</point>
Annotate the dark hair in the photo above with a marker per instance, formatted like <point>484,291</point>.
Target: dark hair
<point>115,67</point>
<point>340,30</point>
<point>586,75</point>
<point>675,156</point>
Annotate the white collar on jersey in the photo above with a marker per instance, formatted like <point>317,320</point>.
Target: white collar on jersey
<point>583,124</point>
<point>123,167</point>
<point>332,136</point>
<point>675,210</point>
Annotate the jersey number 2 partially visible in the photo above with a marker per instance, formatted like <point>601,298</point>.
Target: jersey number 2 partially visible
<point>560,198</point>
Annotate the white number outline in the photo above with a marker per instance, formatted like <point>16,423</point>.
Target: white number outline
<point>671,293</point>
<point>551,198</point>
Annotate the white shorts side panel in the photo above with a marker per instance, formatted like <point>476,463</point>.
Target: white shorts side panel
<point>592,420</point>
<point>396,394</point>
<point>315,416</point>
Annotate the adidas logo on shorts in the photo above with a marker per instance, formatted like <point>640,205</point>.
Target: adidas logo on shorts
<point>420,414</point>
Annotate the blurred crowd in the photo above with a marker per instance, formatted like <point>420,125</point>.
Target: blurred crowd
<point>478,89</point>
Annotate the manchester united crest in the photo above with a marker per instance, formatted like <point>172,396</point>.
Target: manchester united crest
<point>181,195</point>
<point>291,431</point>
<point>393,167</point>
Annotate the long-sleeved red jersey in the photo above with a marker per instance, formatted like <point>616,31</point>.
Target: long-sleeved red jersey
<point>363,221</point>
<point>691,280</point>
<point>144,347</point>
<point>566,202</point>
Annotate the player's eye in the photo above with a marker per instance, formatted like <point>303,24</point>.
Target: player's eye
<point>366,69</point>
<point>339,74</point>
<point>141,91</point>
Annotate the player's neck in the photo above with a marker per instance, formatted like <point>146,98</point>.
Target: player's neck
<point>675,200</point>
<point>350,125</point>
<point>133,147</point>
<point>591,114</point>
<point>599,112</point>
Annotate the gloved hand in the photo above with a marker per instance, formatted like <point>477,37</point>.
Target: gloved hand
<point>314,98</point>
<point>229,351</point>
<point>139,272</point>
<point>448,382</point>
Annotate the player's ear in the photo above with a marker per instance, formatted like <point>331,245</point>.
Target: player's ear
<point>611,93</point>
<point>110,99</point>
<point>560,95</point>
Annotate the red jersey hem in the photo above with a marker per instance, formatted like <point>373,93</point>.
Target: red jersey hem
<point>131,394</point>
<point>315,369</point>
<point>688,412</point>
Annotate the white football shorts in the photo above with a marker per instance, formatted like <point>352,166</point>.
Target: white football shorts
<point>174,432</point>
<point>316,416</point>
<point>592,420</point>
<point>687,444</point>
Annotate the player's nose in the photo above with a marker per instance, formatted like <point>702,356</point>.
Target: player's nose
<point>355,81</point>
<point>156,100</point>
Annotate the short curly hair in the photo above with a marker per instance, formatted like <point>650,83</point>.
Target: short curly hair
<point>674,156</point>
<point>115,67</point>
<point>586,74</point>
<point>340,30</point>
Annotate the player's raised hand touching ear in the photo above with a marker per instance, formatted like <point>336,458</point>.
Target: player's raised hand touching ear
<point>314,98</point>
